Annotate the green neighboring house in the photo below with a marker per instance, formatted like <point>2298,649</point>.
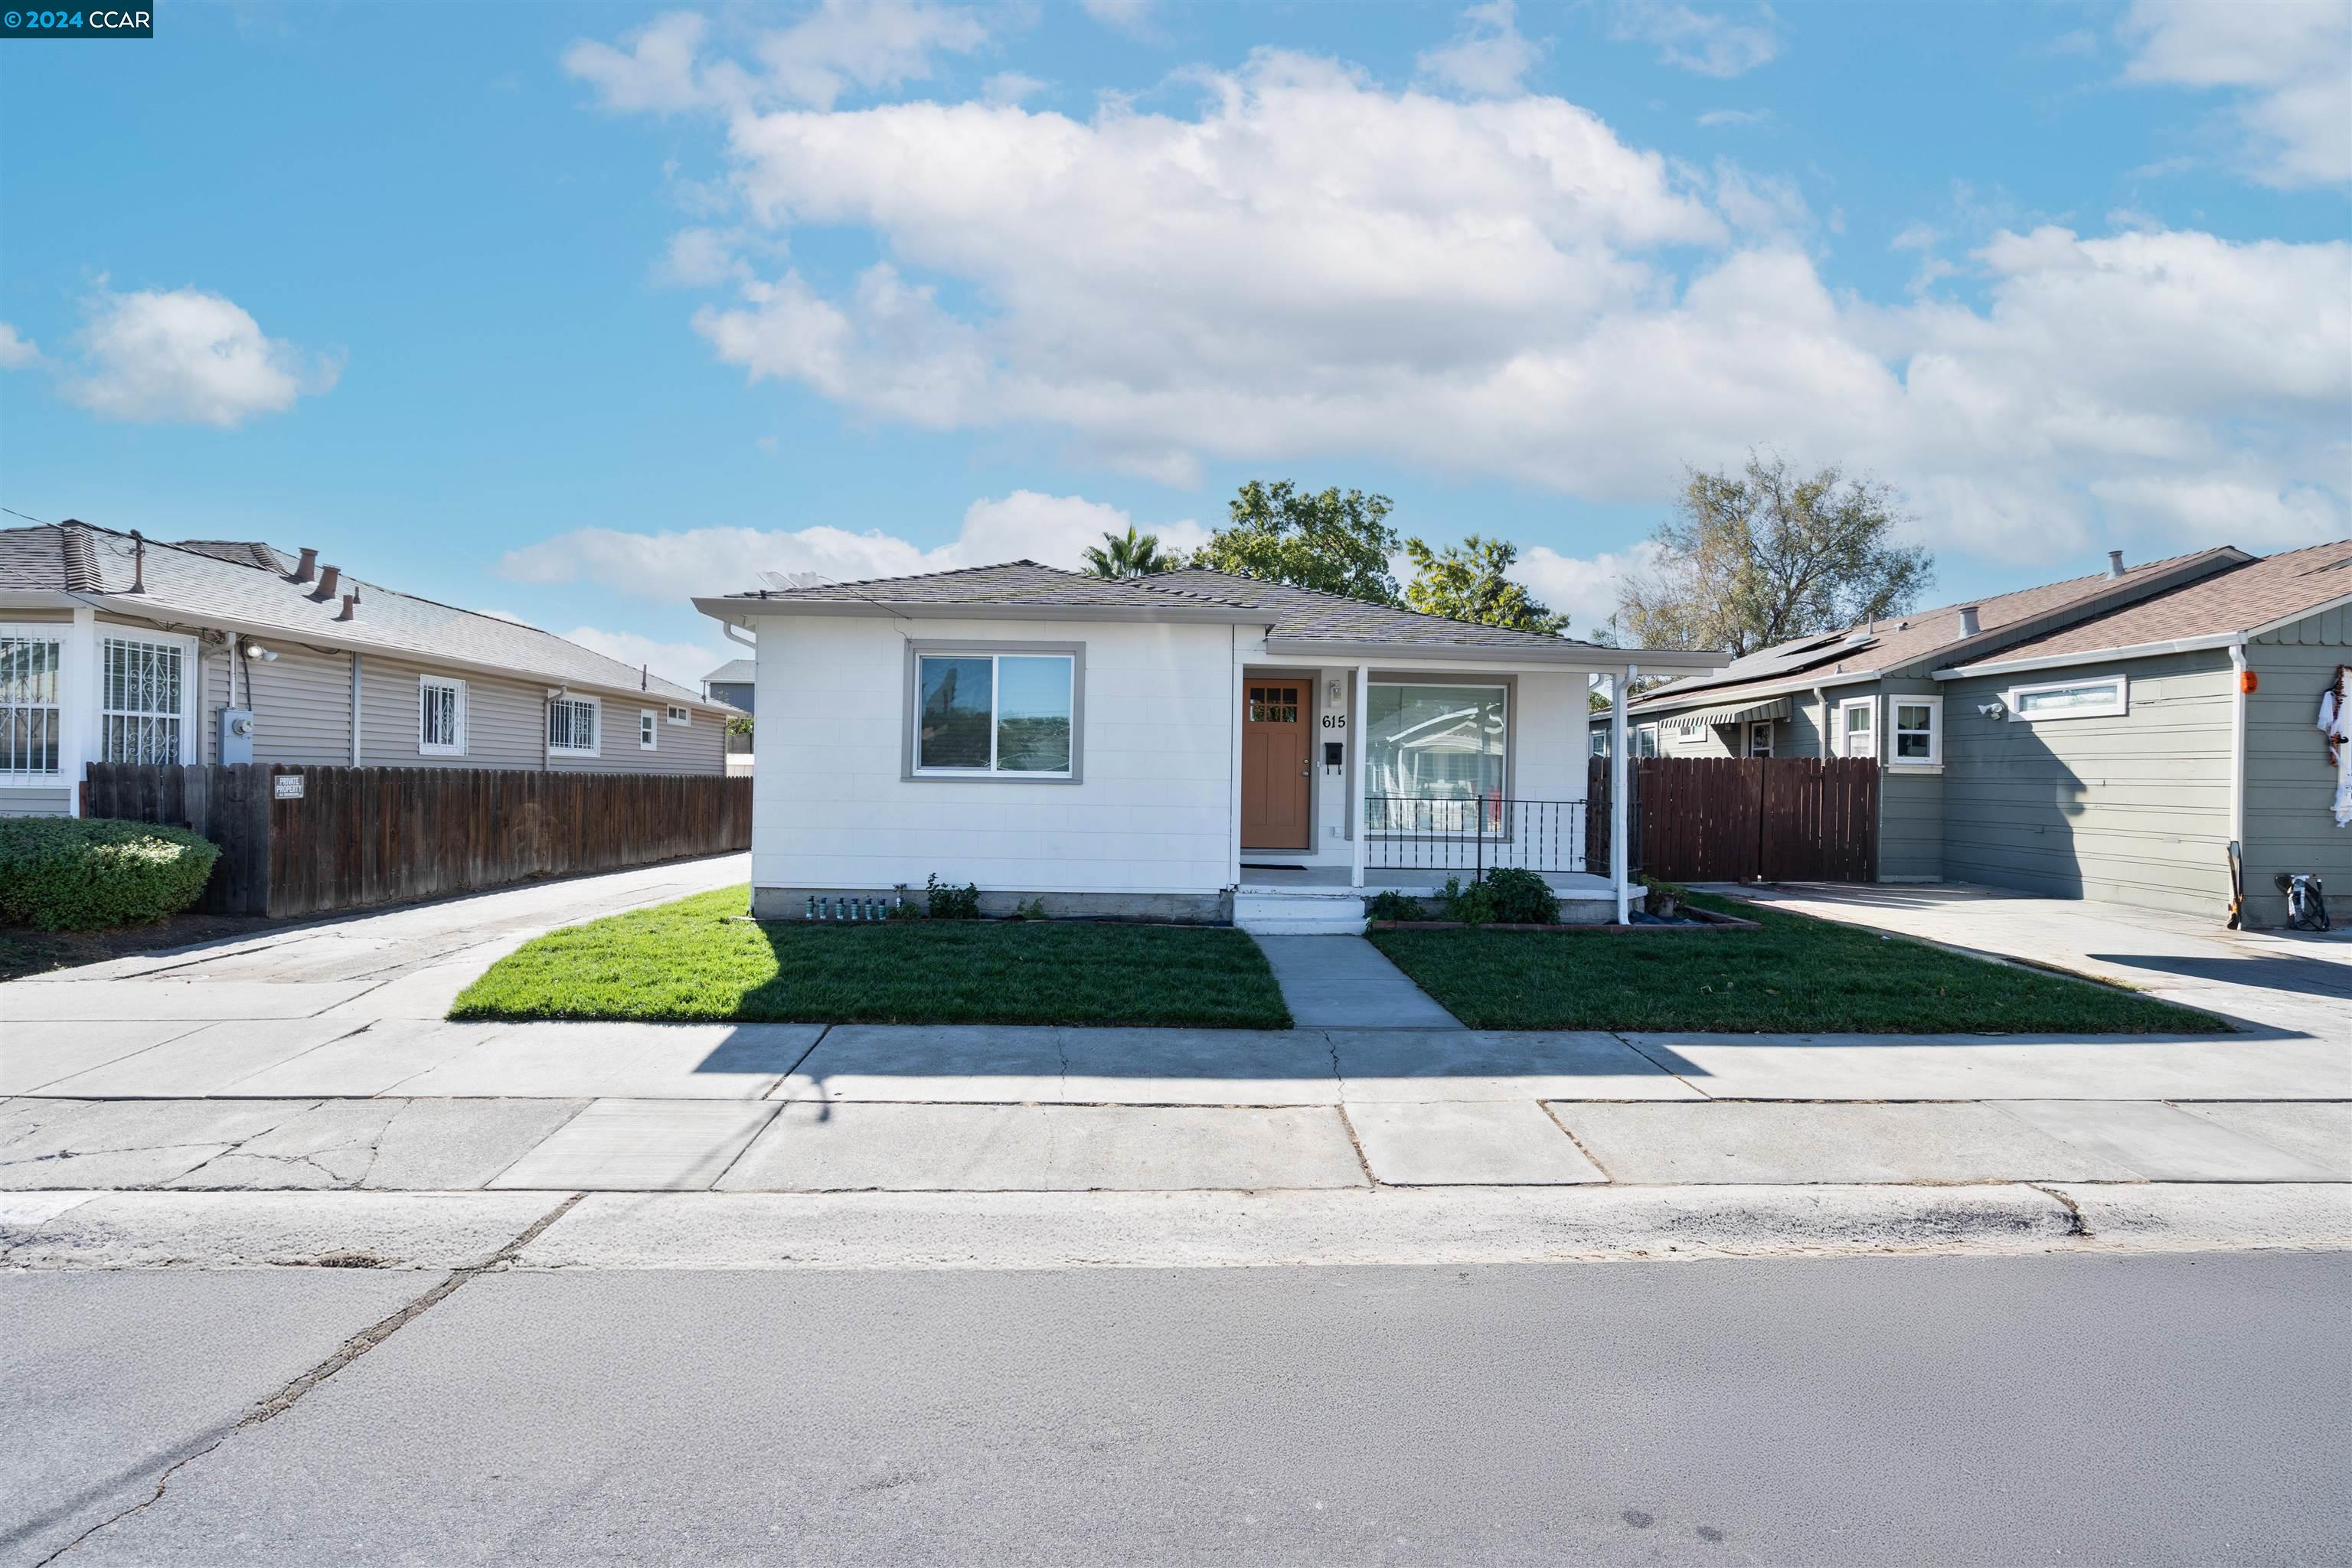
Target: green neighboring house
<point>2105,737</point>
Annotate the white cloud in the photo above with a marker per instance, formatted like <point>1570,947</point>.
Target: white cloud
<point>1707,42</point>
<point>2288,64</point>
<point>841,46</point>
<point>684,662</point>
<point>1134,17</point>
<point>1010,87</point>
<point>674,566</point>
<point>1714,118</point>
<point>700,258</point>
<point>1505,288</point>
<point>16,351</point>
<point>1487,57</point>
<point>1585,591</point>
<point>187,356</point>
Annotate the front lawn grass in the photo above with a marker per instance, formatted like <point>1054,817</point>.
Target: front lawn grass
<point>1797,975</point>
<point>691,961</point>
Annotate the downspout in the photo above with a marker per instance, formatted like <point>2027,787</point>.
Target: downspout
<point>1620,852</point>
<point>2238,749</point>
<point>355,709</point>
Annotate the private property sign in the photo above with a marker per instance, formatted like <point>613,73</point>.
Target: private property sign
<point>286,786</point>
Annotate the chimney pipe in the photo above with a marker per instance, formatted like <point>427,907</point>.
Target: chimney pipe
<point>1968,627</point>
<point>350,605</point>
<point>308,566</point>
<point>2115,562</point>
<point>137,561</point>
<point>327,581</point>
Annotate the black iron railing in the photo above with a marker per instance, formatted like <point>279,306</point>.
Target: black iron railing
<point>1416,833</point>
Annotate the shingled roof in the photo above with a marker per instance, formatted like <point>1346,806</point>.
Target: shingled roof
<point>1900,642</point>
<point>1293,616</point>
<point>227,583</point>
<point>2277,588</point>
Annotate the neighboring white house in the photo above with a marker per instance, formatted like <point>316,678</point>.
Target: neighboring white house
<point>1192,745</point>
<point>115,648</point>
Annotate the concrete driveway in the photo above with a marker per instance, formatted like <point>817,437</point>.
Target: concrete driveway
<point>2289,983</point>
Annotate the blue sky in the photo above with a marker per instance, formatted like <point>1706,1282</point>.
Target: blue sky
<point>568,311</point>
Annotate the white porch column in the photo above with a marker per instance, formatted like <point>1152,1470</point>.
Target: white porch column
<point>1234,761</point>
<point>79,724</point>
<point>1618,859</point>
<point>1357,711</point>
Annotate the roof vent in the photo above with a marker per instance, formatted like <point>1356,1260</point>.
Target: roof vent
<point>308,567</point>
<point>1968,627</point>
<point>138,562</point>
<point>350,604</point>
<point>1856,637</point>
<point>327,581</point>
<point>2115,562</point>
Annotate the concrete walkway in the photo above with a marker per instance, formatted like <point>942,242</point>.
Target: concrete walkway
<point>1345,982</point>
<point>2287,982</point>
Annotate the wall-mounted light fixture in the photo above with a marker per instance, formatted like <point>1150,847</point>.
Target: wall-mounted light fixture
<point>1331,690</point>
<point>255,650</point>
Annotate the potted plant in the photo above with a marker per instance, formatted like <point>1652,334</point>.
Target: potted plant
<point>1665,899</point>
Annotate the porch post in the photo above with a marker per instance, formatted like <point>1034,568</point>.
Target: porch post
<point>1354,755</point>
<point>1618,859</point>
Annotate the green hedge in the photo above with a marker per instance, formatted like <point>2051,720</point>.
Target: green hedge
<point>67,874</point>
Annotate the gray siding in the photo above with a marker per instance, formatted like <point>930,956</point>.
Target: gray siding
<point>1910,799</point>
<point>505,720</point>
<point>736,693</point>
<point>42,800</point>
<point>2289,786</point>
<point>2135,809</point>
<point>302,705</point>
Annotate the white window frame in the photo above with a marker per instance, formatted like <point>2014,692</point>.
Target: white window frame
<point>425,748</point>
<point>1074,653</point>
<point>54,635</point>
<point>597,707</point>
<point>191,678</point>
<point>1599,743</point>
<point>1646,741</point>
<point>1841,741</point>
<point>680,715</point>
<point>1895,703</point>
<point>2119,708</point>
<point>1758,727</point>
<point>648,730</point>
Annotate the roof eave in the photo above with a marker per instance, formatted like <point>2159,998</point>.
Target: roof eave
<point>38,599</point>
<point>1580,655</point>
<point>739,609</point>
<point>151,609</point>
<point>1791,686</point>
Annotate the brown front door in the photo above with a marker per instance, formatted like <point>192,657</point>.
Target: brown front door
<point>1274,776</point>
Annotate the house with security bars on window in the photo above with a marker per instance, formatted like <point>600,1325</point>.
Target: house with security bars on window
<point>2106,737</point>
<point>118,648</point>
<point>1188,745</point>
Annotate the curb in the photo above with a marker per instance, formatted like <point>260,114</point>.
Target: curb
<point>1459,1226</point>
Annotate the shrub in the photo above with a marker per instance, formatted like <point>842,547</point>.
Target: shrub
<point>1387,904</point>
<point>1507,894</point>
<point>948,903</point>
<point>67,874</point>
<point>1665,898</point>
<point>1521,897</point>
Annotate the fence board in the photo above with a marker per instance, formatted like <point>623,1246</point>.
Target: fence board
<point>361,837</point>
<point>1715,819</point>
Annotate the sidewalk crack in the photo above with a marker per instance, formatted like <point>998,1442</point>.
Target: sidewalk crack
<point>349,1350</point>
<point>2077,1227</point>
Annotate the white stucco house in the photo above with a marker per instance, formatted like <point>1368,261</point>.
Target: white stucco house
<point>1191,745</point>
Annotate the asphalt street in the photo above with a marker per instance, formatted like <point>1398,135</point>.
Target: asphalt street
<point>2147,1409</point>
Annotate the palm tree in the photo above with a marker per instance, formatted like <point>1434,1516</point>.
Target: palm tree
<point>1134,555</point>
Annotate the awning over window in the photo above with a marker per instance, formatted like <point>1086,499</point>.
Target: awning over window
<point>1747,713</point>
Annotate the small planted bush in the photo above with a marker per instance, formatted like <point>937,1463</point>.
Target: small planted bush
<point>947,901</point>
<point>1389,904</point>
<point>68,874</point>
<point>1506,894</point>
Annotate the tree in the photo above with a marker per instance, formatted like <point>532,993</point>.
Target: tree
<point>1338,543</point>
<point>1132,554</point>
<point>1467,581</point>
<point>1749,562</point>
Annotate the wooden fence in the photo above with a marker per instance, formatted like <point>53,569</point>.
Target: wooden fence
<point>358,836</point>
<point>1748,819</point>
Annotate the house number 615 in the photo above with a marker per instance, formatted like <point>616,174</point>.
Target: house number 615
<point>1335,720</point>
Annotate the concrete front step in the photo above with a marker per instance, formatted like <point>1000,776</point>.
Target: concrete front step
<point>1317,912</point>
